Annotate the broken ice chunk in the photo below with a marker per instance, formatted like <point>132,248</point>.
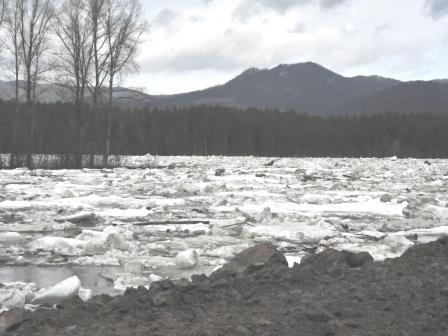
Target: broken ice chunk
<point>62,291</point>
<point>85,294</point>
<point>128,281</point>
<point>63,192</point>
<point>64,246</point>
<point>11,298</point>
<point>187,259</point>
<point>11,237</point>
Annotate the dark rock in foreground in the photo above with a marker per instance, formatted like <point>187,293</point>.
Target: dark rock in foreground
<point>331,294</point>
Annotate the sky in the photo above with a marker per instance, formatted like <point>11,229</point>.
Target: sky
<point>195,44</point>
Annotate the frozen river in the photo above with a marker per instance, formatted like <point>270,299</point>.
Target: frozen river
<point>129,227</point>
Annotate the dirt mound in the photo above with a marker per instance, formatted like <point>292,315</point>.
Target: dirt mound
<point>334,293</point>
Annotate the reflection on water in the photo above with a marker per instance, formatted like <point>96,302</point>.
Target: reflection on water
<point>45,277</point>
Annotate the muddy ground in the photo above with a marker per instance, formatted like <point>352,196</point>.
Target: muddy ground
<point>333,293</point>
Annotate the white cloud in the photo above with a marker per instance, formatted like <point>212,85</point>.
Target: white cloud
<point>198,43</point>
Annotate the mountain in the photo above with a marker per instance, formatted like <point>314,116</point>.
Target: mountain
<point>305,87</point>
<point>407,97</point>
<point>51,93</point>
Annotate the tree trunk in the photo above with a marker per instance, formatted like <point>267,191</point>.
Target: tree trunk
<point>79,140</point>
<point>29,104</point>
<point>13,161</point>
<point>109,123</point>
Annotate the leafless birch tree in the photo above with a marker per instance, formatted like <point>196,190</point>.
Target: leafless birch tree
<point>74,59</point>
<point>124,26</point>
<point>12,43</point>
<point>35,18</point>
<point>96,11</point>
<point>3,5</point>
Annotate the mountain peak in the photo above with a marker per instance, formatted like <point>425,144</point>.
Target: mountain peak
<point>250,71</point>
<point>304,87</point>
<point>301,66</point>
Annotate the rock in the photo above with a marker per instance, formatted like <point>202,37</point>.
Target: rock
<point>357,259</point>
<point>10,320</point>
<point>271,163</point>
<point>330,258</point>
<point>318,316</point>
<point>386,198</point>
<point>220,172</point>
<point>259,255</point>
<point>187,259</point>
<point>62,291</point>
<point>372,235</point>
<point>165,298</point>
<point>443,240</point>
<point>83,218</point>
<point>444,291</point>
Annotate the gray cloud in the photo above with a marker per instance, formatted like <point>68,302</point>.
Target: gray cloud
<point>249,8</point>
<point>330,3</point>
<point>437,8</point>
<point>229,51</point>
<point>165,17</point>
<point>279,5</point>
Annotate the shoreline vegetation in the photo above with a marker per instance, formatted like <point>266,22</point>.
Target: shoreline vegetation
<point>221,131</point>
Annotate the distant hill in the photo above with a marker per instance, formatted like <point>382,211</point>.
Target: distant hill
<point>303,87</point>
<point>51,93</point>
<point>408,97</point>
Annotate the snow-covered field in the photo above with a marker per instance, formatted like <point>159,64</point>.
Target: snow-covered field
<point>129,227</point>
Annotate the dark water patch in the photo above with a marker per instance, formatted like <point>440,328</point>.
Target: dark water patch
<point>47,276</point>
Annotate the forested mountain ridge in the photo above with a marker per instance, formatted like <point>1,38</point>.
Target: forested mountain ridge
<point>408,97</point>
<point>303,87</point>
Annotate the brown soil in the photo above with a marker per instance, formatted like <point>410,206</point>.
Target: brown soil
<point>333,293</point>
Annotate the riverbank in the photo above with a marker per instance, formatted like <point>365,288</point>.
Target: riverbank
<point>331,293</point>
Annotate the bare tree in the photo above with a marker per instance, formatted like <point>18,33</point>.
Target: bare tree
<point>96,12</point>
<point>124,26</point>
<point>3,5</point>
<point>12,18</point>
<point>73,60</point>
<point>34,26</point>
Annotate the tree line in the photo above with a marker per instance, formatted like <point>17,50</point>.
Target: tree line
<point>85,47</point>
<point>215,130</point>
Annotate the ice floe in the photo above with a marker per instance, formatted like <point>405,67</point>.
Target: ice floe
<point>59,292</point>
<point>187,259</point>
<point>159,218</point>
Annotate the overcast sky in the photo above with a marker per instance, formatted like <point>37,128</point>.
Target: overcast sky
<point>194,44</point>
